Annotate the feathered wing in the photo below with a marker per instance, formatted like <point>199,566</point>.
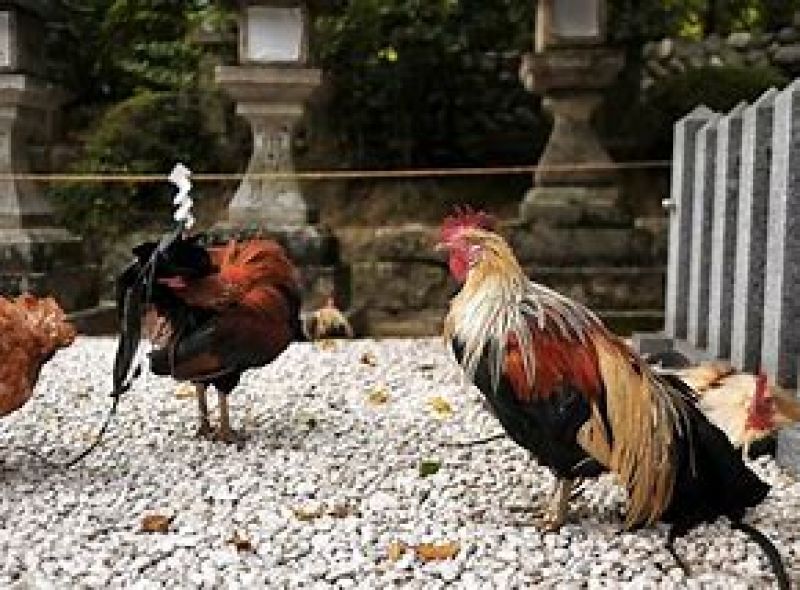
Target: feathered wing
<point>256,274</point>
<point>644,417</point>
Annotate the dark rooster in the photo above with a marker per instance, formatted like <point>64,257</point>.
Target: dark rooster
<point>213,313</point>
<point>582,402</point>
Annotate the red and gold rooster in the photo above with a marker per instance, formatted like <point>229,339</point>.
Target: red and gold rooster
<point>31,330</point>
<point>218,312</point>
<point>579,399</point>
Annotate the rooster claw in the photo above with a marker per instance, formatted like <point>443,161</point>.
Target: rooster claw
<point>230,437</point>
<point>204,431</point>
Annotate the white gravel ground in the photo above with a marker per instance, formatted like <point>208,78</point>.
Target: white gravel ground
<point>327,484</point>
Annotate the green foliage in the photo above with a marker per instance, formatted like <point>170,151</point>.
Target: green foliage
<point>719,88</point>
<point>636,20</point>
<point>147,133</point>
<point>406,86</point>
<point>109,49</point>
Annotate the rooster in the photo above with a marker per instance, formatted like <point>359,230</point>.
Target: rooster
<point>212,313</point>
<point>32,331</point>
<point>582,401</point>
<point>745,407</point>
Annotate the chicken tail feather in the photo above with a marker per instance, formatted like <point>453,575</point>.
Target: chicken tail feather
<point>769,549</point>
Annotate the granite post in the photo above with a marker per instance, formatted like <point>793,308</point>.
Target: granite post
<point>751,232</point>
<point>780,345</point>
<point>700,251</point>
<point>680,222</point>
<point>723,232</point>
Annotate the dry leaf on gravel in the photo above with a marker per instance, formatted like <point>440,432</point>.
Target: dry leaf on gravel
<point>242,544</point>
<point>369,358</point>
<point>440,408</point>
<point>155,523</point>
<point>378,396</point>
<point>436,552</point>
<point>308,513</point>
<point>396,550</point>
<point>185,391</point>
<point>326,345</point>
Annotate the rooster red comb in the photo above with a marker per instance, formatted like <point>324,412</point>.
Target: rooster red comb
<point>465,218</point>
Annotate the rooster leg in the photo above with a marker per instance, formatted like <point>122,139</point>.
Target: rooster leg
<point>225,433</point>
<point>204,429</point>
<point>557,508</point>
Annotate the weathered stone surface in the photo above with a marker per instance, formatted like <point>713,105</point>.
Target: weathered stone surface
<point>723,232</point>
<point>272,100</point>
<point>740,39</point>
<point>700,253</point>
<point>605,288</point>
<point>788,454</point>
<point>399,286</point>
<point>780,346</point>
<point>788,55</point>
<point>751,232</point>
<point>681,210</point>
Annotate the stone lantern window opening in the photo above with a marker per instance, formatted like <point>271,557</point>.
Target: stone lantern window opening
<point>564,23</point>
<point>274,32</point>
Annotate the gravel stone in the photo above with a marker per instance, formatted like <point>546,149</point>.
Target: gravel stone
<point>327,483</point>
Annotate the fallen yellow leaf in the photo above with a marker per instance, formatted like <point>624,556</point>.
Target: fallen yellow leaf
<point>396,550</point>
<point>308,513</point>
<point>440,408</point>
<point>155,523</point>
<point>185,391</point>
<point>437,552</point>
<point>378,396</point>
<point>326,344</point>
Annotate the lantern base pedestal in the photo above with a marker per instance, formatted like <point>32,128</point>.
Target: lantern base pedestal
<point>573,206</point>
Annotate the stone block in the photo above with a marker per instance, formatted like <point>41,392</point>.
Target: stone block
<point>700,252</point>
<point>723,232</point>
<point>751,232</point>
<point>680,236</point>
<point>780,345</point>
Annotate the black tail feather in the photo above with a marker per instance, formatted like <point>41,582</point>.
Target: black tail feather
<point>769,549</point>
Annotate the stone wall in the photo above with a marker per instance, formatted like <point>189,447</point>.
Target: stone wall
<point>673,56</point>
<point>401,286</point>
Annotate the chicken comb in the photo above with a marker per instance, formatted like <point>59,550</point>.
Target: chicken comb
<point>465,218</point>
<point>762,389</point>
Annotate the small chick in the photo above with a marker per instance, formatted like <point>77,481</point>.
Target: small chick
<point>327,323</point>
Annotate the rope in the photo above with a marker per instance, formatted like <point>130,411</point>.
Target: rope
<point>345,174</point>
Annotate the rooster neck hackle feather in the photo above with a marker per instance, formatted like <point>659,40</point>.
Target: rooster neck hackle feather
<point>499,306</point>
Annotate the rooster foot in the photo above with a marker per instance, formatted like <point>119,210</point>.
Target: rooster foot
<point>204,431</point>
<point>230,437</point>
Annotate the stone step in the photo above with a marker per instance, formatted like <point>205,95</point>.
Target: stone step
<point>38,249</point>
<point>606,287</point>
<point>96,321</point>
<point>410,324</point>
<point>417,285</point>
<point>74,288</point>
<point>532,244</point>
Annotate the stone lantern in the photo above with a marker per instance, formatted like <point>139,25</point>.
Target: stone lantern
<point>271,85</point>
<point>571,68</point>
<point>36,254</point>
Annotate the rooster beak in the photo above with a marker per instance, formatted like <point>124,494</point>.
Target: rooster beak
<point>441,246</point>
